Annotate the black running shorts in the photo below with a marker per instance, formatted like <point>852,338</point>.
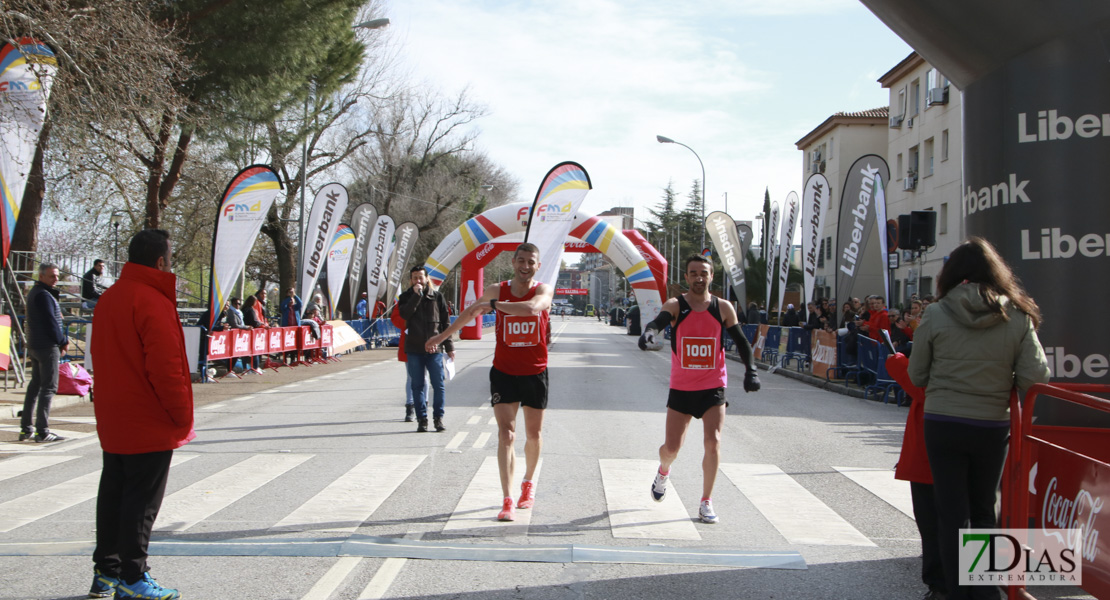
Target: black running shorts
<point>695,403</point>
<point>528,390</point>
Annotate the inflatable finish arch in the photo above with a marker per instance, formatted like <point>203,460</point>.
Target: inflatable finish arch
<point>501,224</point>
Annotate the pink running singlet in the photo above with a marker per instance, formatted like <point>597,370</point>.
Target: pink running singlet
<point>521,347</point>
<point>697,357</point>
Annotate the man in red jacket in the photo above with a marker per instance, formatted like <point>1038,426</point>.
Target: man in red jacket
<point>144,410</point>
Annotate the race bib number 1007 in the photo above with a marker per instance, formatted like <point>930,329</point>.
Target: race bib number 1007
<point>522,331</point>
<point>698,353</point>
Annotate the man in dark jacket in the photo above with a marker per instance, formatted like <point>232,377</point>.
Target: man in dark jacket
<point>46,343</point>
<point>90,284</point>
<point>790,318</point>
<point>753,314</point>
<point>425,312</point>
<point>144,411</point>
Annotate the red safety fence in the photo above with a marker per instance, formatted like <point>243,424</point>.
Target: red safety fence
<point>1058,477</point>
<point>236,343</point>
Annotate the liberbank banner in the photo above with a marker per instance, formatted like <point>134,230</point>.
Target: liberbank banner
<point>327,208</point>
<point>377,258</point>
<point>26,73</point>
<point>246,201</point>
<point>771,251</point>
<point>362,219</point>
<point>786,242</point>
<point>1037,146</point>
<point>726,240</point>
<point>405,237</point>
<point>815,199</point>
<point>859,264</point>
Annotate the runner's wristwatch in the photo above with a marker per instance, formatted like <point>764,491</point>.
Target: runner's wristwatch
<point>493,305</point>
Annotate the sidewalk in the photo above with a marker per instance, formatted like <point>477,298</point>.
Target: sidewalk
<point>11,401</point>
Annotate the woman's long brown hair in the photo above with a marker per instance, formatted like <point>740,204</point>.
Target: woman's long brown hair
<point>976,261</point>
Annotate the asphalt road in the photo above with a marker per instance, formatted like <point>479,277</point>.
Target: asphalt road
<point>316,490</point>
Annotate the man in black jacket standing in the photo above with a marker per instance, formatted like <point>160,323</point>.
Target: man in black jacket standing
<point>425,313</point>
<point>46,342</point>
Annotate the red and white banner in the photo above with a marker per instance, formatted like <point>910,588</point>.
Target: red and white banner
<point>219,345</point>
<point>572,291</point>
<point>236,343</point>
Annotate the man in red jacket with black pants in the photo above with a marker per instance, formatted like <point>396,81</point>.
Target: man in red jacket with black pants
<point>144,410</point>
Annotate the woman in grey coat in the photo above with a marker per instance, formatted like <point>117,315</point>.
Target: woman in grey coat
<point>975,344</point>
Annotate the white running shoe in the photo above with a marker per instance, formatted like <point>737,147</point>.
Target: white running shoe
<point>705,511</point>
<point>659,486</point>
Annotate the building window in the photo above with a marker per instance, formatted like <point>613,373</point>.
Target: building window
<point>821,255</point>
<point>830,147</point>
<point>899,170</point>
<point>944,145</point>
<point>915,97</point>
<point>926,287</point>
<point>913,162</point>
<point>942,218</point>
<point>928,164</point>
<point>828,248</point>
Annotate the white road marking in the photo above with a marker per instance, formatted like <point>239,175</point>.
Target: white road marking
<point>473,420</point>
<point>354,496</point>
<point>482,439</point>
<point>456,441</point>
<point>477,509</point>
<point>632,511</point>
<point>492,421</point>
<point>21,465</point>
<point>882,483</point>
<point>386,574</point>
<point>798,515</point>
<point>193,504</point>
<point>331,580</point>
<point>56,498</point>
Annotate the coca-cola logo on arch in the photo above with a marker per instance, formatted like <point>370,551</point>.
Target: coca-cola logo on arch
<point>484,250</point>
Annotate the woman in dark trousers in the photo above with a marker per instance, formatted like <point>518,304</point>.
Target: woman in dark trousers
<point>975,344</point>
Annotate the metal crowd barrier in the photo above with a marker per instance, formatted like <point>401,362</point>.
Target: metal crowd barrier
<point>1061,474</point>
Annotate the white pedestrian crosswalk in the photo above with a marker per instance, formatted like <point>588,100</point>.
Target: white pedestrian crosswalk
<point>349,500</point>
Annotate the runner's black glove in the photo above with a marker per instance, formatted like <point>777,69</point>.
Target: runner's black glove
<point>647,341</point>
<point>751,382</point>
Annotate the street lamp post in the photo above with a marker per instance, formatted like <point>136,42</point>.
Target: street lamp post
<point>117,218</point>
<point>371,24</point>
<point>662,139</point>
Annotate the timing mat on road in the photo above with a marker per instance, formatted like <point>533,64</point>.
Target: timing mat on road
<point>385,547</point>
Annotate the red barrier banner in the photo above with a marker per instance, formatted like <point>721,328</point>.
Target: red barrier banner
<point>572,291</point>
<point>325,336</point>
<point>259,344</point>
<point>240,342</point>
<point>823,351</point>
<point>219,345</point>
<point>274,335</point>
<point>305,339</point>
<point>289,338</point>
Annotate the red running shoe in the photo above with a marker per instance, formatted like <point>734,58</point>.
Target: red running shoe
<point>527,495</point>
<point>506,513</point>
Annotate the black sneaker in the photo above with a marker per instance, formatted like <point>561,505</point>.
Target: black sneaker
<point>439,424</point>
<point>410,413</point>
<point>50,436</point>
<point>25,435</point>
<point>422,426</point>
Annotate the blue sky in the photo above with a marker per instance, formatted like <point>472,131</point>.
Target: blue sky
<point>595,81</point>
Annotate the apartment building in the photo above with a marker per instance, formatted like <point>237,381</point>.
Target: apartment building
<point>919,134</point>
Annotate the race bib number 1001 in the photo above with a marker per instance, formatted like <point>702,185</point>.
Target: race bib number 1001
<point>698,353</point>
<point>522,331</point>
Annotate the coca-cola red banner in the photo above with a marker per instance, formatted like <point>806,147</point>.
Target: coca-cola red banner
<point>572,291</point>
<point>219,345</point>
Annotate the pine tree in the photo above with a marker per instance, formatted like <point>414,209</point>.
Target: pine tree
<point>766,217</point>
